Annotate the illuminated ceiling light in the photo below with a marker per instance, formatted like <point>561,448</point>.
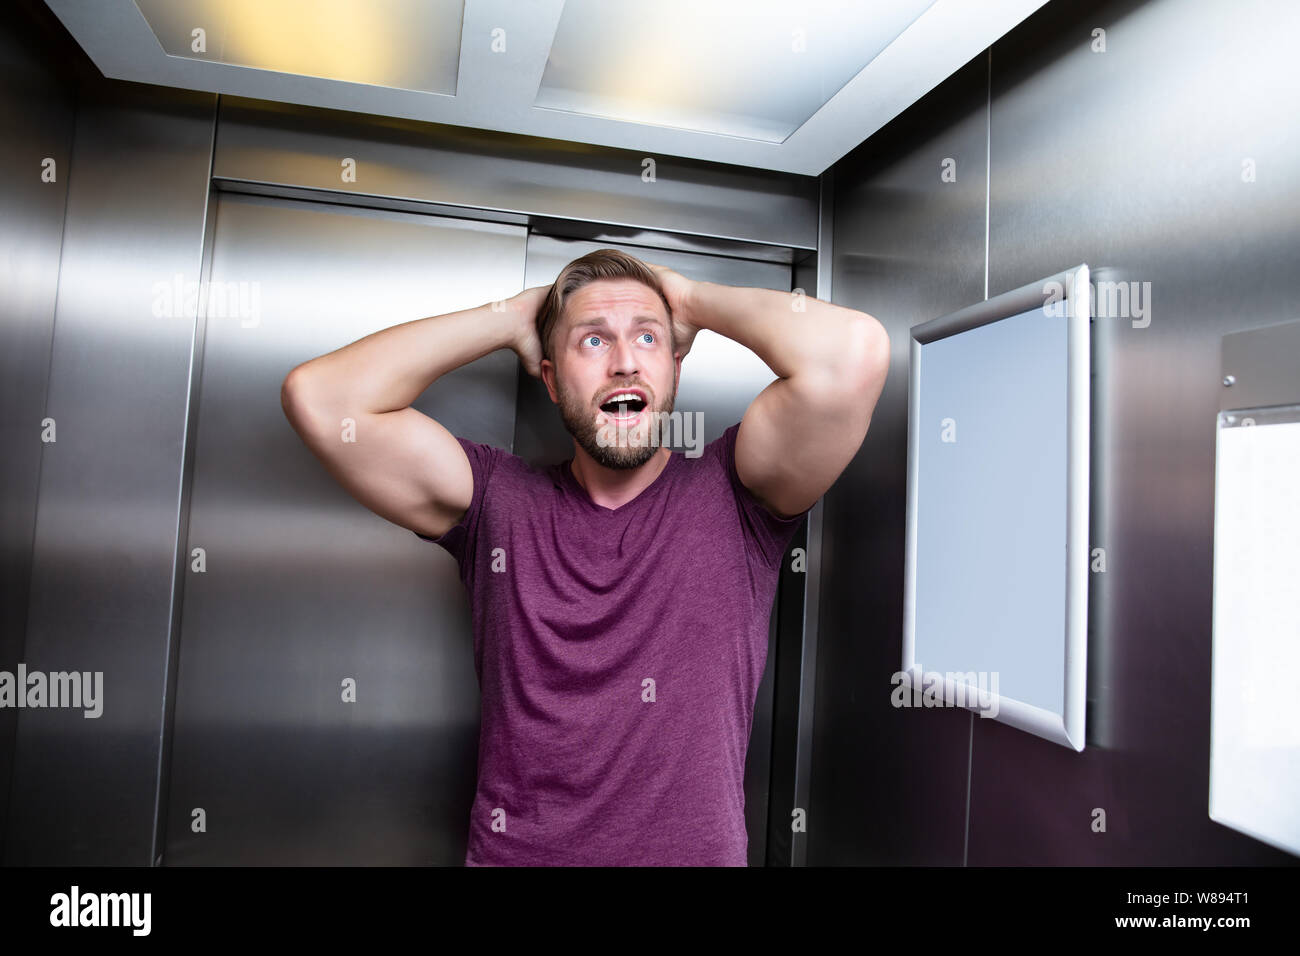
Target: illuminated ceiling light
<point>402,44</point>
<point>756,69</point>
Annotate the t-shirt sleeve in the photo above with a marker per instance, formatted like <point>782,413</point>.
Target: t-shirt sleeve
<point>766,535</point>
<point>460,540</point>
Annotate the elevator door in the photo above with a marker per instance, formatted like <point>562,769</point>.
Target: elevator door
<point>326,708</point>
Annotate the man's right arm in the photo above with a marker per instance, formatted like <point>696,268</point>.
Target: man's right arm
<point>403,465</point>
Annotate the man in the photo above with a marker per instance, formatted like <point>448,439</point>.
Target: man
<point>621,599</point>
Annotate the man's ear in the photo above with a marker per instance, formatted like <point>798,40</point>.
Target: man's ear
<point>548,376</point>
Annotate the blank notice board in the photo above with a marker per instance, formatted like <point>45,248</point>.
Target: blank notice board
<point>995,611</point>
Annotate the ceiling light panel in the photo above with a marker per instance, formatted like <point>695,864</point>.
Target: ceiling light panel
<point>754,69</point>
<point>401,44</point>
<point>787,86</point>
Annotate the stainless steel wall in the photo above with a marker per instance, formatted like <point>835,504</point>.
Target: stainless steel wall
<point>302,588</point>
<point>906,248</point>
<point>37,107</point>
<point>521,178</point>
<point>1132,160</point>
<point>85,789</point>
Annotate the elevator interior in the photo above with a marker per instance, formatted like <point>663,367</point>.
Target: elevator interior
<point>1141,136</point>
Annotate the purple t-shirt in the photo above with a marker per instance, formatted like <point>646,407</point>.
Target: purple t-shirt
<point>618,655</point>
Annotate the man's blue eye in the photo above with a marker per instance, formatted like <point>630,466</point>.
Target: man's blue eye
<point>590,337</point>
<point>651,334</point>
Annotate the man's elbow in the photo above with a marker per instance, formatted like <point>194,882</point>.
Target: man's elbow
<point>295,397</point>
<point>856,367</point>
<point>868,359</point>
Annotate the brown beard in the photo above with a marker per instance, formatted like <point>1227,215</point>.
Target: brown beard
<point>580,421</point>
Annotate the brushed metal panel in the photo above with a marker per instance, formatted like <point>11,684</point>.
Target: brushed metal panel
<point>719,379</point>
<point>795,707</point>
<point>889,784</point>
<point>1133,159</point>
<point>1264,365</point>
<point>37,116</point>
<point>792,665</point>
<point>264,142</point>
<point>304,587</point>
<point>105,537</point>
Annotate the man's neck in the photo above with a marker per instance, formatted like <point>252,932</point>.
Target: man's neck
<point>614,487</point>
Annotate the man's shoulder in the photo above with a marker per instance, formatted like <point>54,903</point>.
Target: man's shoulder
<point>716,453</point>
<point>705,467</point>
<point>503,466</point>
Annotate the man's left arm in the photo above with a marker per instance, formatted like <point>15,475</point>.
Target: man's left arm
<point>803,429</point>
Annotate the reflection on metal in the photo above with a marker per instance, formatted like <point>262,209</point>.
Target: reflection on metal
<point>303,587</point>
<point>907,247</point>
<point>38,109</point>
<point>271,144</point>
<point>104,550</point>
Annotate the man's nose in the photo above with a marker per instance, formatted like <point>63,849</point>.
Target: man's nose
<point>623,357</point>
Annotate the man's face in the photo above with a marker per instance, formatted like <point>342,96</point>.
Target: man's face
<point>614,335</point>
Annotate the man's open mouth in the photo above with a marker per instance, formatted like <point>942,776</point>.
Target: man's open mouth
<point>624,405</point>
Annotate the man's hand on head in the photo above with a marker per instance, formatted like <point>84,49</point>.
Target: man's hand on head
<point>677,290</point>
<point>526,344</point>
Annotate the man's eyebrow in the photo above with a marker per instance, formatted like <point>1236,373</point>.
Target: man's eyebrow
<point>600,322</point>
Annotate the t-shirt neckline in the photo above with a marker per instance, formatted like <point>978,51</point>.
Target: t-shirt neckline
<point>567,471</point>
